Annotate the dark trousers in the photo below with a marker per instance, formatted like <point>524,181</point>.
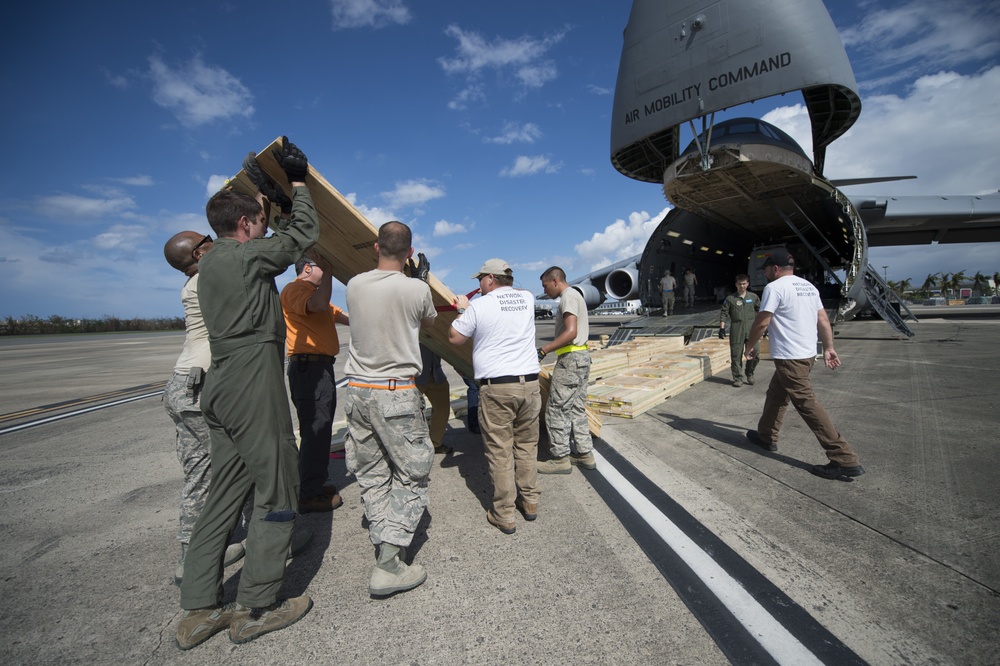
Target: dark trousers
<point>790,383</point>
<point>472,403</point>
<point>314,393</point>
<point>246,408</point>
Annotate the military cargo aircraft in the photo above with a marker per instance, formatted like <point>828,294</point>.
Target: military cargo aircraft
<point>743,186</point>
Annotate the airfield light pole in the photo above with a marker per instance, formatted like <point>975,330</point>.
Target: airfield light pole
<point>885,274</point>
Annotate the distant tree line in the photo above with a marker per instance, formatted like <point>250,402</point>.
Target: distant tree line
<point>32,325</point>
<point>948,284</point>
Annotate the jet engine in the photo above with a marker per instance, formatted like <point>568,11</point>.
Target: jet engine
<point>592,296</point>
<point>623,283</point>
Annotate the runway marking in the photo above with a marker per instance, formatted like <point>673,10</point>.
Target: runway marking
<point>80,401</point>
<point>749,618</point>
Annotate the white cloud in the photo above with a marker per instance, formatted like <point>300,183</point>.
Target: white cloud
<point>524,59</point>
<point>214,184</point>
<point>619,240</point>
<point>473,93</point>
<point>198,94</point>
<point>515,133</point>
<point>917,134</point>
<point>914,37</point>
<point>137,181</point>
<point>72,206</point>
<point>349,14</point>
<point>413,193</point>
<point>122,239</point>
<point>446,228</point>
<point>526,165</point>
<point>598,90</point>
<point>377,216</point>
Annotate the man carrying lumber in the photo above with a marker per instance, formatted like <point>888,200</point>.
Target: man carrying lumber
<point>501,324</point>
<point>792,312</point>
<point>566,411</point>
<point>389,448</point>
<point>246,407</point>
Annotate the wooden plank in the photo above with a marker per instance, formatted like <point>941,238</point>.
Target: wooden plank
<point>347,240</point>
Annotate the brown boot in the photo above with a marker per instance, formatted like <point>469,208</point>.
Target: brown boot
<point>555,466</point>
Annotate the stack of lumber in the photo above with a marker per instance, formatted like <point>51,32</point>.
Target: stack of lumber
<point>654,370</point>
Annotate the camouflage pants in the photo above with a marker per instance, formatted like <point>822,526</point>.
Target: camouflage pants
<point>389,450</point>
<point>566,411</point>
<point>193,450</point>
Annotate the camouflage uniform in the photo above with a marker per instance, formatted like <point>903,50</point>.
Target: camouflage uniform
<point>566,410</point>
<point>193,449</point>
<point>390,452</point>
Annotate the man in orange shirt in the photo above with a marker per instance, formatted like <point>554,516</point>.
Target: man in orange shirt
<point>312,349</point>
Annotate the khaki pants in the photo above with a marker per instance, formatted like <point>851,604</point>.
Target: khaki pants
<point>790,383</point>
<point>508,417</point>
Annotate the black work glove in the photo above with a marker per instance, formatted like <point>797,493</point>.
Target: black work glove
<point>265,185</point>
<point>291,160</point>
<point>722,334</point>
<point>421,269</point>
<point>541,353</point>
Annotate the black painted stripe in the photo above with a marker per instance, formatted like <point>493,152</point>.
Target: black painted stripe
<point>734,641</point>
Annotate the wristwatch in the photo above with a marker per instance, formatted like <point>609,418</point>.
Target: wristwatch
<point>460,310</point>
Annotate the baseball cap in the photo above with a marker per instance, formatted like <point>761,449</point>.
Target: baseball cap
<point>493,267</point>
<point>778,257</point>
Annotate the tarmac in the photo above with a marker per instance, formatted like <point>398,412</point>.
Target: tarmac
<point>901,566</point>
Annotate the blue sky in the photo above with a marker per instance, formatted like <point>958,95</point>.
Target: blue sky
<point>485,126</point>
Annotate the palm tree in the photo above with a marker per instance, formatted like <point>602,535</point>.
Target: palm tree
<point>945,283</point>
<point>978,282</point>
<point>956,282</point>
<point>996,284</point>
<point>930,282</point>
<point>902,287</point>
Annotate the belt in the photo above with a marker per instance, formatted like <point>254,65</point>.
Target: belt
<point>570,348</point>
<point>385,384</point>
<point>312,358</point>
<point>510,379</point>
<point>668,291</point>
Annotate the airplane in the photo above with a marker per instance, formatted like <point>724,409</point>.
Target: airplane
<point>742,186</point>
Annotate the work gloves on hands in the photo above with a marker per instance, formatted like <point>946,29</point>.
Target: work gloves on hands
<point>291,160</point>
<point>722,334</point>
<point>265,185</point>
<point>541,353</point>
<point>421,269</point>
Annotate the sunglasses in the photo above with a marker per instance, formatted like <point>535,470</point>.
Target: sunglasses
<point>206,239</point>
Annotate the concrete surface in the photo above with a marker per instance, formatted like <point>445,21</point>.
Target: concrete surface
<point>901,565</point>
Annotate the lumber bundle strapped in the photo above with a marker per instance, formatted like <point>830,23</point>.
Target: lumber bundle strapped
<point>347,240</point>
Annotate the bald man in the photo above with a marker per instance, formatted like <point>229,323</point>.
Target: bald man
<point>182,396</point>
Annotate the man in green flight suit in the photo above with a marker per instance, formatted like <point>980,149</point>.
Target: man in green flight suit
<point>246,407</point>
<point>740,309</point>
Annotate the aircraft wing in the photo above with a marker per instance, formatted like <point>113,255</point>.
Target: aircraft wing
<point>919,220</point>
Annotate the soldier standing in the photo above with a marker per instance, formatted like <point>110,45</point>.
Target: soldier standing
<point>740,309</point>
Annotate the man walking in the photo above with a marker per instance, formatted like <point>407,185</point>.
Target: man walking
<point>690,283</point>
<point>792,311</point>
<point>246,407</point>
<point>389,448</point>
<point>501,324</point>
<point>566,411</point>
<point>313,346</point>
<point>740,309</point>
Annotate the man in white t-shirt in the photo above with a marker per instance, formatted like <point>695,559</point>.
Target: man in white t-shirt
<point>389,448</point>
<point>792,312</point>
<point>501,325</point>
<point>566,410</point>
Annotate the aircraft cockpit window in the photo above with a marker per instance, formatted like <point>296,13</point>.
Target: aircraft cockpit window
<point>742,128</point>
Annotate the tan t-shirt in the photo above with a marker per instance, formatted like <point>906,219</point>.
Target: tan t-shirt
<point>386,308</point>
<point>196,352</point>
<point>571,302</point>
